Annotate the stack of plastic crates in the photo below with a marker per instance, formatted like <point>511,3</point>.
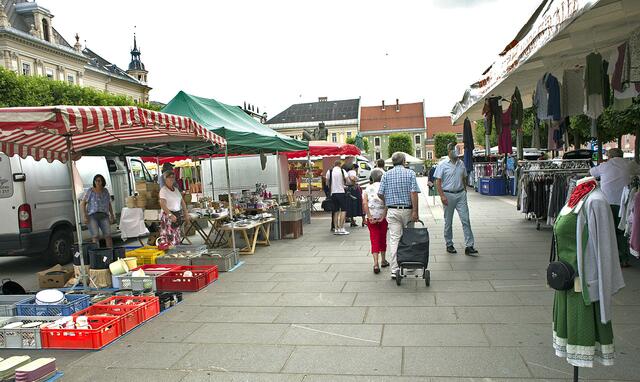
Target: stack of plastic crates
<point>145,255</point>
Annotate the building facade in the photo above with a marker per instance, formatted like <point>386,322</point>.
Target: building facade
<point>338,119</point>
<point>377,123</point>
<point>441,125</point>
<point>31,46</point>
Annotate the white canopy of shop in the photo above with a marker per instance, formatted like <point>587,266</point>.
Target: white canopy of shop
<point>409,158</point>
<point>559,35</point>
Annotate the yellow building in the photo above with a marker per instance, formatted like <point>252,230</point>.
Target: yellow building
<point>31,46</point>
<point>340,119</point>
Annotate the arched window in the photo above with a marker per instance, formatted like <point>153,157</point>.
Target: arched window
<point>45,29</point>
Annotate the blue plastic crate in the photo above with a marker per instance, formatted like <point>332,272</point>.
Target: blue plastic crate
<point>75,303</point>
<point>493,186</point>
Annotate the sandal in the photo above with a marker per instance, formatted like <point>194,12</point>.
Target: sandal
<point>376,269</point>
<point>384,264</point>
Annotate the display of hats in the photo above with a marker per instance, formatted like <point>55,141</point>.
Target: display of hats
<point>8,366</point>
<point>49,297</point>
<point>35,370</point>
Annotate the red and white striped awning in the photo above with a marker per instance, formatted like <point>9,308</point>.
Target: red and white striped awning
<point>42,132</point>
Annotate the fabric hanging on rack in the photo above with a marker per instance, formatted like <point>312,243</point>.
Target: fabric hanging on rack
<point>634,56</point>
<point>553,102</point>
<point>467,138</point>
<point>553,133</point>
<point>573,92</point>
<point>492,111</point>
<point>541,99</point>
<point>593,79</point>
<point>606,85</point>
<point>517,110</point>
<point>505,143</point>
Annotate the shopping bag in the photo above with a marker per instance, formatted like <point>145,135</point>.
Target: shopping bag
<point>414,245</point>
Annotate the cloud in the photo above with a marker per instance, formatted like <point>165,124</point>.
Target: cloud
<point>459,3</point>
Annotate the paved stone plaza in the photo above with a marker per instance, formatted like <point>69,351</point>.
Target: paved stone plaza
<point>312,310</point>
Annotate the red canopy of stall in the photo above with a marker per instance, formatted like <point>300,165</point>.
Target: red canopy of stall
<point>323,148</point>
<point>50,132</point>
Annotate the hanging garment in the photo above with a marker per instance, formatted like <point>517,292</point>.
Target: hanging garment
<point>634,56</point>
<point>634,240</point>
<point>517,110</point>
<point>606,85</point>
<point>553,102</point>
<point>594,85</point>
<point>505,144</point>
<point>467,138</point>
<point>620,69</point>
<point>578,333</point>
<point>541,99</point>
<point>573,92</point>
<point>492,111</point>
<point>551,136</point>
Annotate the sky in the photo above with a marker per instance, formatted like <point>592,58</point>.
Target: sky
<point>275,53</point>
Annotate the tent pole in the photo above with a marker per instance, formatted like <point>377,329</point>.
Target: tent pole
<point>84,278</point>
<point>309,179</point>
<point>213,193</point>
<point>487,146</point>
<point>278,177</point>
<point>231,206</point>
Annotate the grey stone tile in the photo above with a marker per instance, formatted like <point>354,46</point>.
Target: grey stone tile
<point>362,378</point>
<point>304,276</point>
<point>519,285</point>
<point>232,333</point>
<point>142,355</point>
<point>394,299</point>
<point>348,260</point>
<point>476,299</point>
<point>180,312</point>
<point>519,334</point>
<point>544,298</point>
<point>450,275</point>
<point>465,362</point>
<point>434,335</point>
<point>231,357</point>
<point>98,374</point>
<point>300,268</point>
<point>386,286</point>
<point>309,286</point>
<point>345,360</point>
<point>519,275</point>
<point>504,314</point>
<point>458,286</point>
<point>255,314</point>
<point>293,260</point>
<point>254,268</point>
<point>337,268</point>
<point>246,276</point>
<point>411,315</point>
<point>483,265</point>
<point>241,286</point>
<point>361,276</point>
<point>208,376</point>
<point>332,335</point>
<point>234,299</point>
<point>329,315</point>
<point>315,299</point>
<point>161,332</point>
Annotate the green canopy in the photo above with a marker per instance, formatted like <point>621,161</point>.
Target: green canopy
<point>244,134</point>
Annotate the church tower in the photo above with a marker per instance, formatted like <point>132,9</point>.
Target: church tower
<point>136,67</point>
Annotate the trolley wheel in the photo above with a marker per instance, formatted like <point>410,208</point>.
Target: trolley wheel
<point>398,277</point>
<point>427,277</point>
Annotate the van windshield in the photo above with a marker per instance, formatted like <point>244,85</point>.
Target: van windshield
<point>6,177</point>
<point>140,173</point>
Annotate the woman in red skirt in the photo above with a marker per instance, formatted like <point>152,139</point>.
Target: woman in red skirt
<point>376,213</point>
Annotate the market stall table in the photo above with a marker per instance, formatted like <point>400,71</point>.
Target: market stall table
<point>261,226</point>
<point>216,223</point>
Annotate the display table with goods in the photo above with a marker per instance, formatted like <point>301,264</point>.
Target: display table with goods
<point>255,226</point>
<point>214,219</point>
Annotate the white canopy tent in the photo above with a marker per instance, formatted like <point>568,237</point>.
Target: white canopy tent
<point>409,158</point>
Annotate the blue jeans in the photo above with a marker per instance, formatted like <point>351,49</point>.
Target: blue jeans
<point>99,222</point>
<point>457,202</point>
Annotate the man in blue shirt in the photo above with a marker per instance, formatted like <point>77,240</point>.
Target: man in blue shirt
<point>399,191</point>
<point>451,180</point>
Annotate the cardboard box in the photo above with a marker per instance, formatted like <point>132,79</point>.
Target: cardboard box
<point>54,277</point>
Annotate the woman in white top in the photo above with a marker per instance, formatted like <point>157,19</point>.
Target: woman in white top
<point>376,213</point>
<point>174,210</point>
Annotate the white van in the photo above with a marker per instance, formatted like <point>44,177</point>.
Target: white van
<point>36,199</point>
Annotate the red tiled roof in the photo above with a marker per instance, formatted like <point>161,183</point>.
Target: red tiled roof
<point>410,116</point>
<point>436,125</point>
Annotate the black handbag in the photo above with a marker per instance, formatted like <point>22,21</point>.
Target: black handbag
<point>560,274</point>
<point>413,246</point>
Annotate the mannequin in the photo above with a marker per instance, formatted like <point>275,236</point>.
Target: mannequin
<point>584,231</point>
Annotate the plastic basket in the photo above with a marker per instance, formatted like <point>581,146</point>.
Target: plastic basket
<point>128,315</point>
<point>195,249</point>
<point>22,338</point>
<point>145,255</point>
<point>8,304</point>
<point>210,271</point>
<point>149,307</point>
<point>175,281</point>
<point>104,330</point>
<point>127,281</point>
<point>223,258</point>
<point>75,302</point>
<point>179,261</point>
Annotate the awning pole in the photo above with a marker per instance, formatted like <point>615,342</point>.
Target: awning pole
<point>519,143</point>
<point>278,176</point>
<point>487,146</point>
<point>213,193</point>
<point>231,205</point>
<point>76,212</point>
<point>309,179</point>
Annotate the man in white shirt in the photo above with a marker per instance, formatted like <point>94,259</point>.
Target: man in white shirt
<point>614,175</point>
<point>336,178</point>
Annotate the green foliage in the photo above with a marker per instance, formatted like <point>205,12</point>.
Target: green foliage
<point>400,142</point>
<point>17,90</point>
<point>365,141</point>
<point>440,142</point>
<point>480,134</point>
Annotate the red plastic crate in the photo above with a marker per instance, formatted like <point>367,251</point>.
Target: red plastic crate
<point>105,329</point>
<point>129,315</point>
<point>157,268</point>
<point>174,281</point>
<point>211,271</point>
<point>149,306</point>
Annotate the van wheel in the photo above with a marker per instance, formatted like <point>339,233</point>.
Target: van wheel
<point>59,251</point>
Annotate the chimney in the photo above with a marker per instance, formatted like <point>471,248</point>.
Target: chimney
<point>397,104</point>
<point>322,99</point>
<point>382,104</point>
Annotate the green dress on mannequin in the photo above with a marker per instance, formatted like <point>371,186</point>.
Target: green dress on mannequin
<point>578,333</point>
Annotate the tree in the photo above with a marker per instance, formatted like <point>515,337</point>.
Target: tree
<point>352,141</point>
<point>441,141</point>
<point>400,142</point>
<point>16,90</point>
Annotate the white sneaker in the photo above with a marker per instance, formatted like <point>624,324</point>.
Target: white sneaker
<point>337,231</point>
<point>345,232</point>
